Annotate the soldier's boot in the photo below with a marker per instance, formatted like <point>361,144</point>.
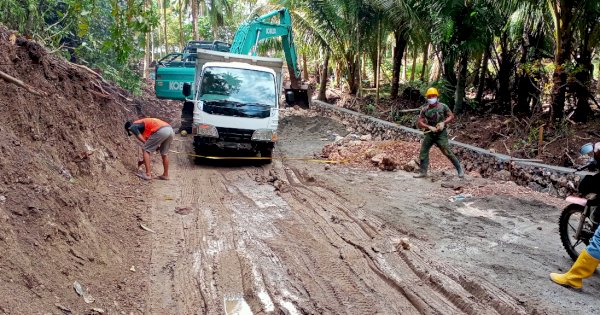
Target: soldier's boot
<point>422,170</point>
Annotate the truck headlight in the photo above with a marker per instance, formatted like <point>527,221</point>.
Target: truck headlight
<point>264,135</point>
<point>205,130</point>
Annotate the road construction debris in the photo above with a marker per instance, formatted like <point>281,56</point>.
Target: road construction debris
<point>183,210</point>
<point>404,243</point>
<point>83,292</point>
<point>362,151</point>
<point>145,228</point>
<point>66,310</point>
<point>460,197</point>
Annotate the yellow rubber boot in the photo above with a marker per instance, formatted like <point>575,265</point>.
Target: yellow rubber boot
<point>581,269</point>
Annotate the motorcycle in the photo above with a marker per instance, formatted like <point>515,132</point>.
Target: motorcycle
<point>578,221</point>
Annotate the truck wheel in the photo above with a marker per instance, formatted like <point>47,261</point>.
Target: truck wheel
<point>187,117</point>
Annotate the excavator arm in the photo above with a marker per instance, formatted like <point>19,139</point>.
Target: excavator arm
<point>251,32</point>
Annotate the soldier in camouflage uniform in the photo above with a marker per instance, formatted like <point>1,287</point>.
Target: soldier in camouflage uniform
<point>433,118</point>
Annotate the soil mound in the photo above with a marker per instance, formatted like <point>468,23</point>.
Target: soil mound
<point>68,196</point>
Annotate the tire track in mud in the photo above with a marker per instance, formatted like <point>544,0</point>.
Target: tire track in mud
<point>297,249</point>
<point>458,291</point>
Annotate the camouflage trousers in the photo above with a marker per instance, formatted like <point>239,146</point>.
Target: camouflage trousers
<point>439,139</point>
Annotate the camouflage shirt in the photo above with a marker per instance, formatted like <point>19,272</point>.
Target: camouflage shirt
<point>436,114</point>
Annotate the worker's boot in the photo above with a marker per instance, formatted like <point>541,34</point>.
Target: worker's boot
<point>422,170</point>
<point>581,269</point>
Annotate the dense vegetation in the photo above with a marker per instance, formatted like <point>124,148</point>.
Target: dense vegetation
<point>509,56</point>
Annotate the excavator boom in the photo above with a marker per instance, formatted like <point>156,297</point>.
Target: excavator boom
<point>251,32</point>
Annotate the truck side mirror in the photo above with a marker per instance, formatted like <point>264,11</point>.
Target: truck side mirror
<point>187,89</point>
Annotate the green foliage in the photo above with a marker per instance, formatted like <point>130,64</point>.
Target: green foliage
<point>369,109</point>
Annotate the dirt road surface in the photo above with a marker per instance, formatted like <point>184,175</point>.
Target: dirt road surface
<point>306,238</point>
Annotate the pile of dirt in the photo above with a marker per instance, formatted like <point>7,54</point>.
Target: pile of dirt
<point>519,137</point>
<point>362,151</point>
<point>68,195</point>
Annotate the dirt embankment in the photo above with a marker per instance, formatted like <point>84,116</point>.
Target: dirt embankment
<point>67,206</point>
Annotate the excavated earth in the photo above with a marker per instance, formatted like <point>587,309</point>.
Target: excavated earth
<point>238,237</point>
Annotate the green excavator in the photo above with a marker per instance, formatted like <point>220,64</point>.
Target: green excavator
<point>176,69</point>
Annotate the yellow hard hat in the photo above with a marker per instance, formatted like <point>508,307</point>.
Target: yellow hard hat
<point>432,91</point>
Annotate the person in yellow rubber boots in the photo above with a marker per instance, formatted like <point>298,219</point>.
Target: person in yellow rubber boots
<point>433,119</point>
<point>588,260</point>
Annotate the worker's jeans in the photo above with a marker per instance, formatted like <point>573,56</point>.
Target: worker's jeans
<point>440,139</point>
<point>594,247</point>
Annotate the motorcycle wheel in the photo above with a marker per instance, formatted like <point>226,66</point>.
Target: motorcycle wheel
<point>568,223</point>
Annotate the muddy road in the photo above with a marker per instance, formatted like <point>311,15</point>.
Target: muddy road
<point>305,238</point>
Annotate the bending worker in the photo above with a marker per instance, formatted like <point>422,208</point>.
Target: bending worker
<point>433,118</point>
<point>589,258</point>
<point>156,135</point>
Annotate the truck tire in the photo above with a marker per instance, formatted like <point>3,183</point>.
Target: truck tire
<point>187,117</point>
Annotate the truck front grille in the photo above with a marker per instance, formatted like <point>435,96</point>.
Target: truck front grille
<point>235,135</point>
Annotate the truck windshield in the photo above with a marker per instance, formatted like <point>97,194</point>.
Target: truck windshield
<point>238,85</point>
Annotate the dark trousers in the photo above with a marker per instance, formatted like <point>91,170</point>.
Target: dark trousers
<point>439,139</point>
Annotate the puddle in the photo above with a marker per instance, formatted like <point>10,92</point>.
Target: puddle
<point>470,211</point>
<point>237,306</point>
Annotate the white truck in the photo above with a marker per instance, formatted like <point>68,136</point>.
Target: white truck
<point>235,103</point>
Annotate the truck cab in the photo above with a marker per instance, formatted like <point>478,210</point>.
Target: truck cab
<point>235,103</point>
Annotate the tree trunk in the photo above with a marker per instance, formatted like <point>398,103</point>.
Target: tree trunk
<point>425,59</point>
<point>352,68</point>
<point>147,51</point>
<point>523,85</point>
<point>338,75</point>
<point>378,69</point>
<point>304,67</point>
<point>414,64</point>
<point>459,94</point>
<point>181,41</point>
<point>477,69</point>
<point>397,62</point>
<point>323,88</point>
<point>450,76</point>
<point>504,73</point>
<point>404,63</point>
<point>373,57</point>
<point>166,37</point>
<point>195,19</point>
<point>434,73</point>
<point>484,70</point>
<point>152,46</point>
<point>583,76</point>
<point>562,11</point>
<point>363,73</point>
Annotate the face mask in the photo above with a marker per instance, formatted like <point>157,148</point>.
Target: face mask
<point>432,101</point>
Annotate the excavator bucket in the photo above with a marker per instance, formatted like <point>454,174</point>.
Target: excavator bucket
<point>297,97</point>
